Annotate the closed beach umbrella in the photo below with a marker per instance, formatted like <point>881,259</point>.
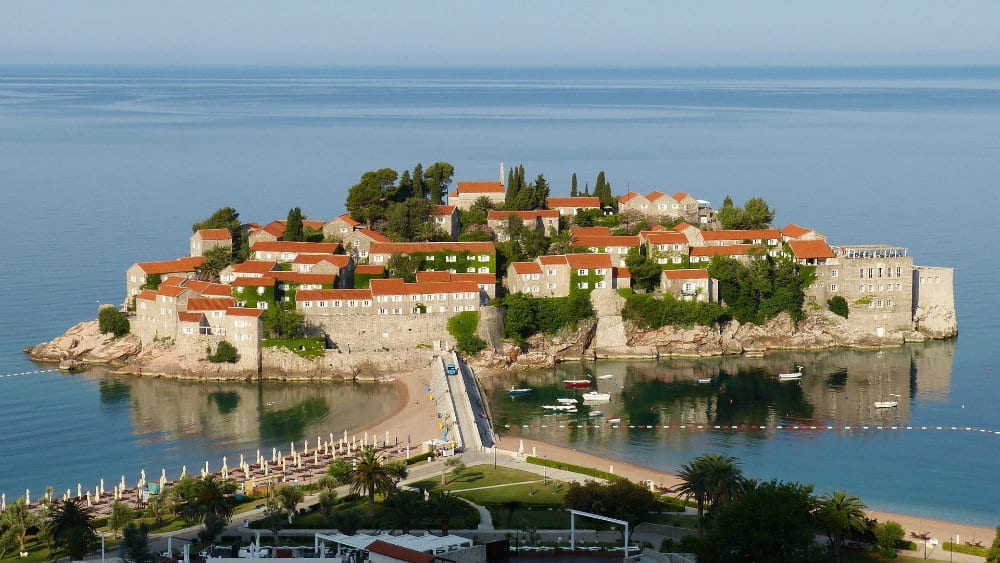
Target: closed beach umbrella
<point>122,484</point>
<point>3,501</point>
<point>184,471</point>
<point>345,434</point>
<point>520,447</point>
<point>88,499</point>
<point>274,455</point>
<point>293,448</point>
<point>163,475</point>
<point>206,466</point>
<point>79,490</point>
<point>315,457</point>
<point>27,497</point>
<point>305,447</point>
<point>102,485</point>
<point>241,460</point>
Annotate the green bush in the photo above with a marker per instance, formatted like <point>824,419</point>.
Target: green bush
<point>224,353</point>
<point>418,458</point>
<point>962,548</point>
<point>838,305</point>
<point>527,315</point>
<point>648,311</point>
<point>111,320</point>
<point>462,327</point>
<point>582,470</point>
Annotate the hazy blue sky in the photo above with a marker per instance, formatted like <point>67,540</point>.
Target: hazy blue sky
<point>497,33</point>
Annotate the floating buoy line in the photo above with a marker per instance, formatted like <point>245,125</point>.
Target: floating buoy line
<point>753,427</point>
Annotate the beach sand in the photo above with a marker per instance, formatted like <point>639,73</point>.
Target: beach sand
<point>417,417</point>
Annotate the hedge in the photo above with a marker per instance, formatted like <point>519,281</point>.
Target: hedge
<point>589,471</point>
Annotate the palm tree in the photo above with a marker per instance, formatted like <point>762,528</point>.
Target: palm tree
<point>839,514</point>
<point>443,506</point>
<point>404,510</point>
<point>71,527</point>
<point>370,476</point>
<point>724,479</point>
<point>212,496</point>
<point>694,483</point>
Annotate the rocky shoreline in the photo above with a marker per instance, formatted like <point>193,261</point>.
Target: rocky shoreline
<point>605,337</point>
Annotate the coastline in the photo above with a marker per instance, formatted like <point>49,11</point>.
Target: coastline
<point>942,530</point>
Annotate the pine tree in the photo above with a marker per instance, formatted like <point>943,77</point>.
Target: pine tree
<point>419,188</point>
<point>293,227</point>
<point>405,189</point>
<point>540,193</point>
<point>572,188</point>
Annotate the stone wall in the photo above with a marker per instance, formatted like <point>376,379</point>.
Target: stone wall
<point>385,333</point>
<point>934,301</point>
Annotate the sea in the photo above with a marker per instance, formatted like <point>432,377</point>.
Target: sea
<point>101,167</point>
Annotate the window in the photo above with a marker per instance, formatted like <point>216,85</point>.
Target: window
<point>550,272</point>
<point>600,285</point>
<point>600,271</point>
<point>484,257</point>
<point>352,303</point>
<point>833,273</point>
<point>879,303</point>
<point>861,272</point>
<point>397,311</point>
<point>678,247</point>
<point>430,257</point>
<point>415,297</point>
<point>871,304</point>
<point>871,272</point>
<point>260,290</point>
<point>880,287</point>
<point>307,303</point>
<point>583,285</point>
<point>142,305</point>
<point>662,260</point>
<point>861,287</point>
<point>676,260</point>
<point>484,270</point>
<point>321,304</point>
<point>470,270</point>
<point>262,305</point>
<point>888,302</point>
<point>188,330</point>
<point>582,271</point>
<point>898,271</point>
<point>899,287</point>
<point>871,287</point>
<point>833,287</point>
<point>880,271</point>
<point>661,247</point>
<point>451,258</point>
<point>397,298</point>
<point>550,286</point>
<point>383,311</point>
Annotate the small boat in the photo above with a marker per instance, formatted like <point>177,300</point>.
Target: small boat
<point>703,380</point>
<point>890,404</point>
<point>614,420</point>
<point>576,383</point>
<point>595,397</point>
<point>560,408</point>
<point>566,401</point>
<point>795,375</point>
<point>595,414</point>
<point>605,376</point>
<point>514,392</point>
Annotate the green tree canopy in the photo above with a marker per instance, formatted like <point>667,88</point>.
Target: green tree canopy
<point>290,496</point>
<point>135,545</point>
<point>645,272</point>
<point>368,200</point>
<point>216,259</point>
<point>112,321</point>
<point>438,178</point>
<point>15,522</point>
<point>758,291</point>
<point>839,514</point>
<point>121,515</point>
<point>222,218</point>
<point>294,231</point>
<point>283,321</point>
<point>573,192</point>
<point>371,476</point>
<point>621,499</point>
<point>72,529</point>
<point>409,220</point>
<point>755,214</point>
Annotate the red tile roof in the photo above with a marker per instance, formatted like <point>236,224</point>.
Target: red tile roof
<point>210,303</point>
<point>469,276</point>
<point>255,267</point>
<point>375,236</point>
<point>324,294</point>
<point>605,241</point>
<point>532,215</point>
<point>178,265</point>
<point>207,289</point>
<point>346,218</point>
<point>146,295</point>
<point>792,230</point>
<point>622,273</point>
<point>679,196</point>
<point>725,250</point>
<point>396,286</point>
<point>275,228</point>
<point>441,210</point>
<point>804,249</point>
<point>664,237</point>
<point>338,260</point>
<point>629,197</point>
<point>399,553</point>
<point>214,234</point>
<point>171,290</point>
<point>480,187</point>
<point>575,202</point>
<point>552,260</point>
<point>301,277</point>
<point>682,226</point>
<point>369,269</point>
<point>655,195</point>
<point>173,280</point>
<point>577,261</point>
<point>244,312</point>
<point>590,231</point>
<point>408,247</point>
<point>300,247</point>
<point>526,268</point>
<point>432,276</point>
<point>686,274</point>
<point>253,282</point>
<point>190,316</point>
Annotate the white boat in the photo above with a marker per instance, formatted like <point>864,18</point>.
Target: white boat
<point>566,401</point>
<point>890,404</point>
<point>614,420</point>
<point>560,408</point>
<point>795,375</point>
<point>595,397</point>
<point>605,376</point>
<point>595,414</point>
<point>703,380</point>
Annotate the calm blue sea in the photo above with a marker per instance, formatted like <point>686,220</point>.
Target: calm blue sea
<point>101,167</point>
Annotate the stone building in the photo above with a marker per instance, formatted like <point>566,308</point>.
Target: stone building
<point>669,249</point>
<point>204,240</point>
<point>141,273</point>
<point>390,296</point>
<point>446,220</point>
<point>545,219</point>
<point>558,275</point>
<point>467,193</point>
<point>615,246</point>
<point>470,257</point>
<point>281,251</point>
<point>690,285</point>
<point>570,206</point>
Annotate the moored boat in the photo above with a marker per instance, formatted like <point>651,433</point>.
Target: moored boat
<point>576,383</point>
<point>566,401</point>
<point>605,376</point>
<point>793,376</point>
<point>514,392</point>
<point>560,408</point>
<point>890,404</point>
<point>614,420</point>
<point>595,397</point>
<point>703,380</point>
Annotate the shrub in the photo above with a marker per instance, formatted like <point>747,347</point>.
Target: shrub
<point>838,305</point>
<point>648,311</point>
<point>111,320</point>
<point>582,470</point>
<point>463,328</point>
<point>224,352</point>
<point>527,315</point>
<point>888,535</point>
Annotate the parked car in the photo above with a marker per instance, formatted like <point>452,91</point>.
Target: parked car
<point>450,369</point>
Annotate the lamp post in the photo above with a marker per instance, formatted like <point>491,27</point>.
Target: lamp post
<point>951,552</point>
<point>102,546</point>
<point>494,457</point>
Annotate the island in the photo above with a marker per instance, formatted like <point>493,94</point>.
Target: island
<point>508,275</point>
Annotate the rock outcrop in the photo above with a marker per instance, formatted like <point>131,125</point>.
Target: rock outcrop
<point>84,344</point>
<point>936,321</point>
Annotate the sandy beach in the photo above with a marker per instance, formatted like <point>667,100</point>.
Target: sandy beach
<point>418,418</point>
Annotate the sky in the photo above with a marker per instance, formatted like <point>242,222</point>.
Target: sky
<point>514,32</point>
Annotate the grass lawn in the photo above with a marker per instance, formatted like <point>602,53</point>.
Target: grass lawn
<point>478,476</point>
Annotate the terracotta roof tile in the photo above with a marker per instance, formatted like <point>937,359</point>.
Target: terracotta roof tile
<point>474,277</point>
<point>575,202</point>
<point>325,294</point>
<point>190,316</point>
<point>432,276</point>
<point>146,295</point>
<point>804,249</point>
<point>622,272</point>
<point>725,250</point>
<point>244,312</point>
<point>214,234</point>
<point>682,226</point>
<point>629,197</point>
<point>275,228</point>
<point>346,218</point>
<point>552,260</point>
<point>186,264</point>
<point>369,269</point>
<point>210,303</point>
<point>479,187</point>
<point>253,282</point>
<point>577,261</point>
<point>680,196</point>
<point>442,210</point>
<point>686,274</point>
<point>399,553</point>
<point>255,267</point>
<point>338,260</point>
<point>301,277</point>
<point>408,247</point>
<point>590,231</point>
<point>173,280</point>
<point>396,286</point>
<point>172,290</point>
<point>286,246</point>
<point>748,234</point>
<point>655,195</point>
<point>526,268</point>
<point>664,237</point>
<point>604,241</point>
<point>375,236</point>
<point>792,230</point>
<point>214,290</point>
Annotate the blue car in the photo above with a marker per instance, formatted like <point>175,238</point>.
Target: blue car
<point>450,369</point>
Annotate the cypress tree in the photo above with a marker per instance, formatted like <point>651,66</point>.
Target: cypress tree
<point>419,188</point>
<point>572,188</point>
<point>586,189</point>
<point>540,193</point>
<point>293,227</point>
<point>510,198</point>
<point>405,189</point>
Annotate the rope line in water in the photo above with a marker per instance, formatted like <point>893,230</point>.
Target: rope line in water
<point>747,427</point>
<point>4,375</point>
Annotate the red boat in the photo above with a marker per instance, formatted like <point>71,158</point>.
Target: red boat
<point>576,383</point>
